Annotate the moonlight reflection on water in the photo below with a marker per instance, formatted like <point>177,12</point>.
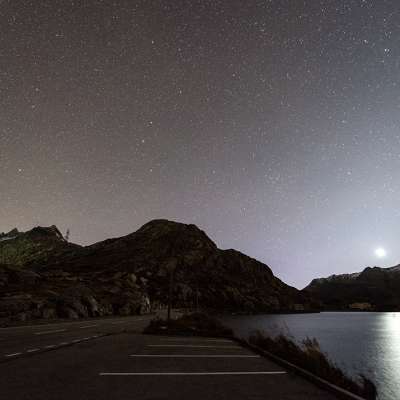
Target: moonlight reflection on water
<point>389,360</point>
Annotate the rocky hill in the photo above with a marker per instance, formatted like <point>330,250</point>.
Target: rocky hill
<point>130,274</point>
<point>36,245</point>
<point>372,289</point>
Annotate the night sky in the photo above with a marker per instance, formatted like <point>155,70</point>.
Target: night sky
<point>272,125</point>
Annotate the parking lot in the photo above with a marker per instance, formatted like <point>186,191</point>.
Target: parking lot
<point>135,366</point>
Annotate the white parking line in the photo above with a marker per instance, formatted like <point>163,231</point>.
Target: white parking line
<point>13,354</point>
<point>63,343</point>
<point>88,326</point>
<point>195,346</point>
<point>190,373</point>
<point>50,346</point>
<point>46,332</point>
<point>194,355</point>
<point>32,350</point>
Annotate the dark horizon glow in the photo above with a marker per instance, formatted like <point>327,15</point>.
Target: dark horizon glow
<point>274,126</point>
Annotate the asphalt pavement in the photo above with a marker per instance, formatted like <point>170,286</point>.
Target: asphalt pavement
<point>22,340</point>
<point>110,359</point>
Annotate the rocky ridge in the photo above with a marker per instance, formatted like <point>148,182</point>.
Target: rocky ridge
<point>372,289</point>
<point>132,274</point>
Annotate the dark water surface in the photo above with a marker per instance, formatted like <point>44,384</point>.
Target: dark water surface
<point>367,343</point>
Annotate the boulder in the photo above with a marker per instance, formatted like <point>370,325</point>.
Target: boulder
<point>92,306</point>
<point>145,305</point>
<point>69,313</point>
<point>15,304</point>
<point>49,313</point>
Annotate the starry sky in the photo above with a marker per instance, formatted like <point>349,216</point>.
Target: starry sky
<point>272,125</point>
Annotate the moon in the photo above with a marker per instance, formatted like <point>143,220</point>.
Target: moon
<point>380,252</point>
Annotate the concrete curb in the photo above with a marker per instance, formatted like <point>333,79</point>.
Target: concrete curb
<point>322,383</point>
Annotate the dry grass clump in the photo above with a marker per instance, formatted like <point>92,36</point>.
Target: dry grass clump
<point>309,356</point>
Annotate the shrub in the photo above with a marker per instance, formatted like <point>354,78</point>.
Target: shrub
<point>196,324</point>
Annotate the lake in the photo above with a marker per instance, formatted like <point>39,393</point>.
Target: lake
<point>367,343</point>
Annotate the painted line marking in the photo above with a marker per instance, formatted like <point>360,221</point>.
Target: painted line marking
<point>32,350</point>
<point>190,373</point>
<point>63,343</point>
<point>127,322</point>
<point>198,340</point>
<point>45,325</point>
<point>194,355</point>
<point>195,346</point>
<point>13,354</point>
<point>88,326</point>
<point>76,340</point>
<point>55,324</point>
<point>46,332</point>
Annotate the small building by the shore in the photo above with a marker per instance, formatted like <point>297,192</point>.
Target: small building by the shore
<point>299,307</point>
<point>361,306</point>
